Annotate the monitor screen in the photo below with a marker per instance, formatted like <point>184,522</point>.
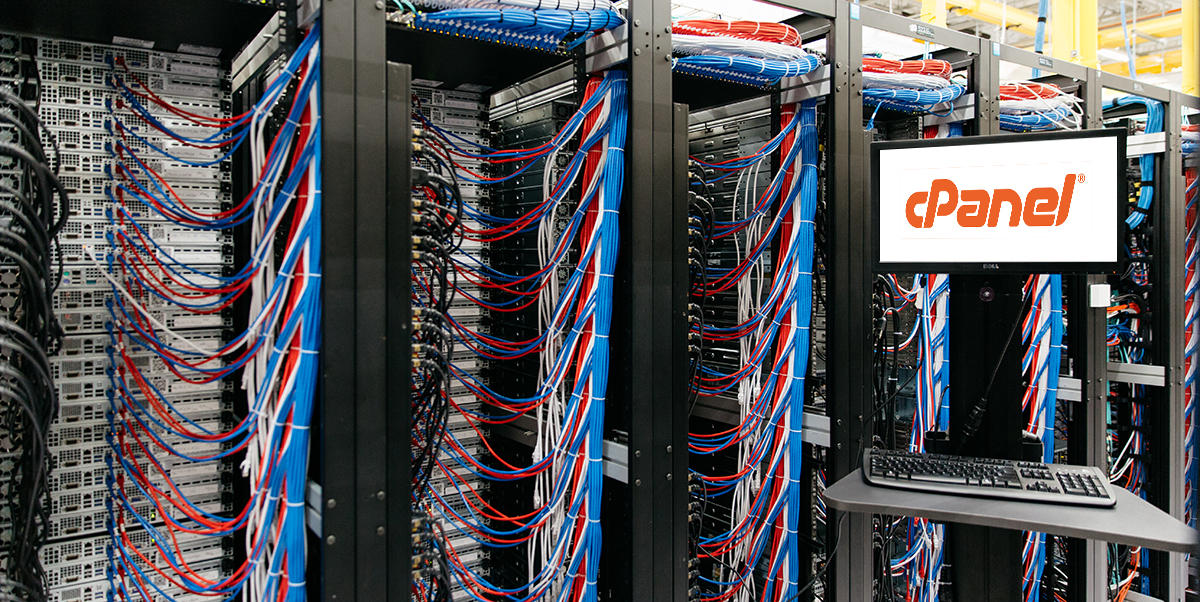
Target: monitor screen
<point>1030,203</point>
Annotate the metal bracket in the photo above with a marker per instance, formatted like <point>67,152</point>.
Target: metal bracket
<point>312,507</point>
<point>616,461</point>
<point>1145,144</point>
<point>606,49</point>
<point>1070,389</point>
<point>810,85</point>
<point>539,89</point>
<point>1138,374</point>
<point>960,109</point>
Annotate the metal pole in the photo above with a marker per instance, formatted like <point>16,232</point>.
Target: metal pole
<point>849,314</point>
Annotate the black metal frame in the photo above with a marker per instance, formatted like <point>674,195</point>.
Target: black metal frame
<point>353,448</point>
<point>361,457</point>
<point>648,560</point>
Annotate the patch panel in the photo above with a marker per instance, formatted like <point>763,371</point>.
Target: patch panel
<point>203,406</point>
<point>85,560</point>
<point>63,51</point>
<point>98,295</point>
<point>79,163</point>
<point>98,232</point>
<point>83,496</point>
<point>98,76</point>
<point>92,277</point>
<point>94,254</point>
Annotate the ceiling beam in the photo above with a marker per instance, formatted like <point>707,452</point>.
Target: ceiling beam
<point>1191,47</point>
<point>1152,63</point>
<point>1167,26</point>
<point>995,13</point>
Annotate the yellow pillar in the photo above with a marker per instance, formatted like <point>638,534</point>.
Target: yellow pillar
<point>1191,47</point>
<point>1086,24</point>
<point>1062,30</point>
<point>933,12</point>
<point>1073,31</point>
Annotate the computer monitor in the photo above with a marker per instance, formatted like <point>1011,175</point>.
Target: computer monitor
<point>1030,203</point>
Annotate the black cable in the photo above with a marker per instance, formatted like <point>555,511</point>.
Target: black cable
<point>32,213</point>
<point>975,418</point>
<point>829,555</point>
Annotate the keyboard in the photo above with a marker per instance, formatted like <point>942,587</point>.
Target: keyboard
<point>986,477</point>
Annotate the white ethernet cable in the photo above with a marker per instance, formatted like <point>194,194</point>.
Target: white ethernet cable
<point>904,81</point>
<point>727,46</point>
<point>530,4</point>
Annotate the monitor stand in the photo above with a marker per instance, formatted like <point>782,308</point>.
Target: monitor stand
<point>986,561</point>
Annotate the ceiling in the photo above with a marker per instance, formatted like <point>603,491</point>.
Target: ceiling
<point>1153,26</point>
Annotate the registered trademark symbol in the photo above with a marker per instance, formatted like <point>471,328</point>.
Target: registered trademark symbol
<point>1081,178</point>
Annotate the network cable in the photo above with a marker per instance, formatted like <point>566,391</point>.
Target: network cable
<point>1042,334</point>
<point>908,86</point>
<point>151,437</point>
<point>33,211</point>
<point>745,52</point>
<point>561,534</point>
<point>764,491</point>
<point>1029,106</point>
<point>524,23</point>
<point>1153,124</point>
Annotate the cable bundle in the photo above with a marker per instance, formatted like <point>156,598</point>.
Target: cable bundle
<point>1029,106</point>
<point>1154,124</point>
<point>33,210</point>
<point>519,23</point>
<point>778,33</point>
<point>1190,139</point>
<point>152,439</point>
<point>735,52</point>
<point>912,549</point>
<point>874,64</point>
<point>1128,335</point>
<point>1042,334</point>
<point>561,535</point>
<point>715,45</point>
<point>764,491</point>
<point>1191,350</point>
<point>921,557</point>
<point>908,86</point>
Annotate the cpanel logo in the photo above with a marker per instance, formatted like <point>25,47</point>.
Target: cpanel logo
<point>1041,207</point>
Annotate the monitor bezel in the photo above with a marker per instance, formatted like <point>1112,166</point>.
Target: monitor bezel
<point>1048,267</point>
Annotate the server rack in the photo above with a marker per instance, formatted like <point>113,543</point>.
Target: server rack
<point>648,460</point>
<point>728,120</point>
<point>81,49</point>
<point>362,500</point>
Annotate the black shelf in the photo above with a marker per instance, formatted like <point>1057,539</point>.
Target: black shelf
<point>704,92</point>
<point>223,24</point>
<point>439,57</point>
